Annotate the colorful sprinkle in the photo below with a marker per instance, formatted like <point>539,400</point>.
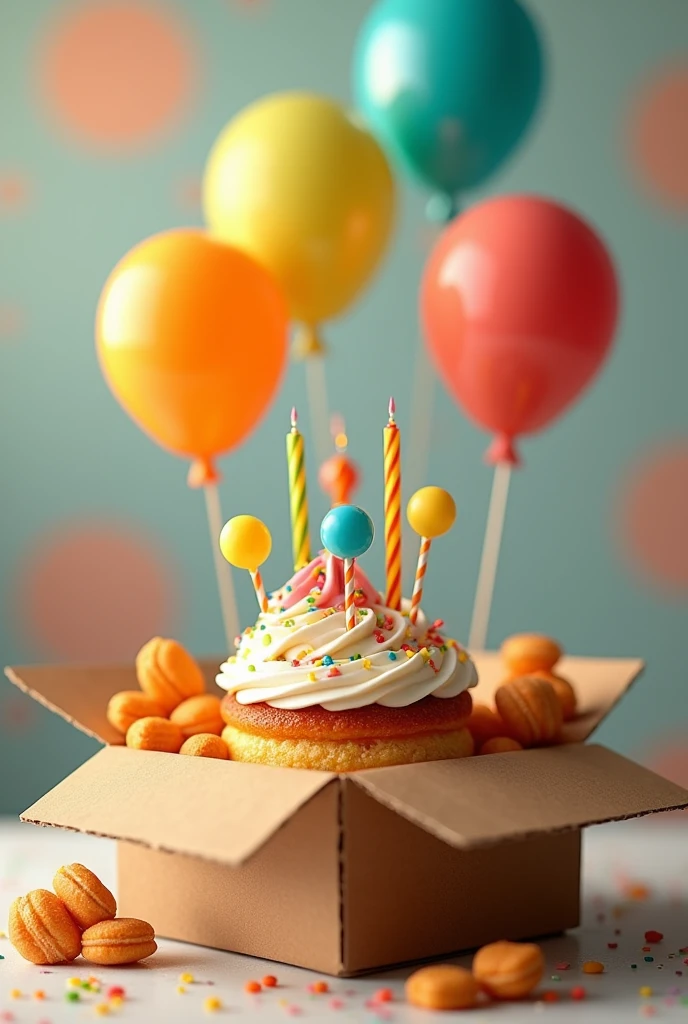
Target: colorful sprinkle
<point>15,993</point>
<point>334,671</point>
<point>73,996</point>
<point>211,1004</point>
<point>645,991</point>
<point>634,967</point>
<point>327,660</point>
<point>267,640</point>
<point>550,997</point>
<point>367,663</point>
<point>653,936</point>
<point>186,978</point>
<point>181,990</point>
<point>392,656</point>
<point>39,994</point>
<point>102,1009</point>
<point>319,987</point>
<point>555,977</point>
<point>116,991</point>
<point>252,987</point>
<point>612,945</point>
<point>269,981</point>
<point>383,995</point>
<point>578,992</point>
<point>563,965</point>
<point>593,967</point>
<point>116,1002</point>
<point>251,668</point>
<point>649,959</point>
<point>311,677</point>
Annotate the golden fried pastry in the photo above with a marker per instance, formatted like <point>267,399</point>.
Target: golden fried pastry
<point>525,653</point>
<point>128,706</point>
<point>342,741</point>
<point>84,895</point>
<point>564,691</point>
<point>122,941</point>
<point>168,673</point>
<point>531,710</point>
<point>42,930</point>
<point>198,714</point>
<point>484,724</point>
<point>205,745</point>
<point>499,745</point>
<point>508,970</point>
<point>155,734</point>
<point>442,987</point>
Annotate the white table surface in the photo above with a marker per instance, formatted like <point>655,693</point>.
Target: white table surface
<point>615,857</point>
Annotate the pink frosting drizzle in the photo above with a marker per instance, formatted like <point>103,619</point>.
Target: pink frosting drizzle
<point>327,574</point>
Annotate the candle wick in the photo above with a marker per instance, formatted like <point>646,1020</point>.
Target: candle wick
<point>392,410</point>
<point>294,418</point>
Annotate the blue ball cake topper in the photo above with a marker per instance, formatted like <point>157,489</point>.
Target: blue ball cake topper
<point>347,531</point>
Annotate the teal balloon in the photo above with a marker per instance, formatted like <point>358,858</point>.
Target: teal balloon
<point>449,87</point>
<point>347,531</point>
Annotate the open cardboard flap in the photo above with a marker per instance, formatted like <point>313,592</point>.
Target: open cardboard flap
<point>600,683</point>
<point>481,801</point>
<point>81,694</point>
<point>218,810</point>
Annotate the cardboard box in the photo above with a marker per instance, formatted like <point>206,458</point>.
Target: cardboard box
<point>346,874</point>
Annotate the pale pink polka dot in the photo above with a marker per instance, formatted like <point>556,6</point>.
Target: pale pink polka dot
<point>14,191</point>
<point>116,74</point>
<point>12,321</point>
<point>95,592</point>
<point>659,134</point>
<point>652,512</point>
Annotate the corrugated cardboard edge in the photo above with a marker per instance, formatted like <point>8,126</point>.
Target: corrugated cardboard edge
<point>56,710</point>
<point>95,799</point>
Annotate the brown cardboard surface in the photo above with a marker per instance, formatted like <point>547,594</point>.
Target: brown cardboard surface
<point>80,693</point>
<point>479,801</point>
<point>600,683</point>
<point>219,810</point>
<point>282,904</point>
<point>409,896</point>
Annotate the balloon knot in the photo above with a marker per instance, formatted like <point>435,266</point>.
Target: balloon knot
<point>307,342</point>
<point>502,450</point>
<point>202,472</point>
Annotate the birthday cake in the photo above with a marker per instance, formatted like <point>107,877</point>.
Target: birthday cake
<point>304,691</point>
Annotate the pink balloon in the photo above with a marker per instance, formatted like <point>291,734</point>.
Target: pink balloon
<point>519,302</point>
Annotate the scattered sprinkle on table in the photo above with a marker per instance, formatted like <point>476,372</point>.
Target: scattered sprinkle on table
<point>252,987</point>
<point>72,996</point>
<point>186,978</point>
<point>383,995</point>
<point>39,994</point>
<point>211,1004</point>
<point>550,997</point>
<point>15,993</point>
<point>645,991</point>
<point>563,965</point>
<point>593,967</point>
<point>318,988</point>
<point>115,990</point>
<point>116,1001</point>
<point>648,959</point>
<point>578,992</point>
<point>269,981</point>
<point>102,1009</point>
<point>653,936</point>
<point>181,990</point>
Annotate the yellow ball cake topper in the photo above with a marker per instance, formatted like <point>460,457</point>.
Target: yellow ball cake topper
<point>246,542</point>
<point>431,512</point>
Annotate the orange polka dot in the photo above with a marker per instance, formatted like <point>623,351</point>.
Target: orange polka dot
<point>95,591</point>
<point>117,74</point>
<point>652,511</point>
<point>659,134</point>
<point>11,321</point>
<point>14,191</point>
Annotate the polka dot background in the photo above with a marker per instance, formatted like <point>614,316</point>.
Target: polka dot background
<point>95,592</point>
<point>659,134</point>
<point>117,74</point>
<point>108,110</point>
<point>652,512</point>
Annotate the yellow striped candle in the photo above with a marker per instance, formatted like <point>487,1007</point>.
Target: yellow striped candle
<point>392,453</point>
<point>298,498</point>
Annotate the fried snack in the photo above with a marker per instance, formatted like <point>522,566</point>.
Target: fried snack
<point>564,691</point>
<point>198,714</point>
<point>168,673</point>
<point>526,653</point>
<point>484,724</point>
<point>508,970</point>
<point>442,987</point>
<point>205,745</point>
<point>344,741</point>
<point>128,706</point>
<point>499,745</point>
<point>84,895</point>
<point>42,930</point>
<point>155,734</point>
<point>122,941</point>
<point>531,710</point>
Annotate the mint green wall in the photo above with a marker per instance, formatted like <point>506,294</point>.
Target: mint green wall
<point>68,453</point>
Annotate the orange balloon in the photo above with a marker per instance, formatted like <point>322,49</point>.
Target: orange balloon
<point>192,339</point>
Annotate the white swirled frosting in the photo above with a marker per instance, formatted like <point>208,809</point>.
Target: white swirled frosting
<point>300,654</point>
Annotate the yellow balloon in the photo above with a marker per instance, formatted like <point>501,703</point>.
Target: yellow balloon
<point>431,511</point>
<point>245,542</point>
<point>305,189</point>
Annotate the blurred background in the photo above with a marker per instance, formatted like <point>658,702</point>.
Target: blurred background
<point>108,110</point>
